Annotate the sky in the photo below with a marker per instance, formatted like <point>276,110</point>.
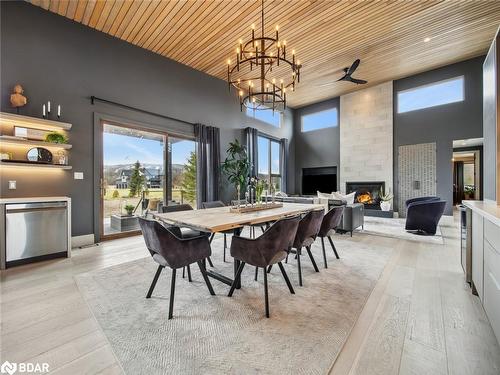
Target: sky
<point>122,149</point>
<point>320,120</point>
<point>444,92</point>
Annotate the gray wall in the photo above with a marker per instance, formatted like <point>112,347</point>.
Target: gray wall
<point>441,124</point>
<point>59,60</point>
<point>319,148</point>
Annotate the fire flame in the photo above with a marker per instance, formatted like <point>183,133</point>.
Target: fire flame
<point>365,198</point>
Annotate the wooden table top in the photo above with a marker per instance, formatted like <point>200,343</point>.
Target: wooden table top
<point>220,219</point>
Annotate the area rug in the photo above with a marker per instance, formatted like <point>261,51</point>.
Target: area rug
<point>218,334</point>
<point>395,228</point>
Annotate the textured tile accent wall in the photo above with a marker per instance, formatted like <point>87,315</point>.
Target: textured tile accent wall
<point>416,173</point>
<point>366,136</point>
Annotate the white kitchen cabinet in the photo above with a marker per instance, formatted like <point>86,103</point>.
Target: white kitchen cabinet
<point>478,253</point>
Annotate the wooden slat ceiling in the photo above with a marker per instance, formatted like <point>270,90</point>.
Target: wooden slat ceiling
<point>388,36</point>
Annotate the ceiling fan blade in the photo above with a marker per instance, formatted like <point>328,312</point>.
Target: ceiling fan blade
<point>353,67</point>
<point>358,81</point>
<point>343,78</point>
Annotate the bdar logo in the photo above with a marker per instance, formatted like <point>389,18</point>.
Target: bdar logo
<point>8,368</point>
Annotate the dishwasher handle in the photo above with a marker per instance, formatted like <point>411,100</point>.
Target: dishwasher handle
<point>40,206</point>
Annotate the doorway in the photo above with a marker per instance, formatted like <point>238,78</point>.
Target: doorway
<point>466,175</point>
<point>142,170</point>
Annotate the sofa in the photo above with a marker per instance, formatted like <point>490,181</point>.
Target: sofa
<point>423,214</point>
<point>354,214</point>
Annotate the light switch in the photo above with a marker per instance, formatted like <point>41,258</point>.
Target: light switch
<point>12,185</point>
<point>78,175</point>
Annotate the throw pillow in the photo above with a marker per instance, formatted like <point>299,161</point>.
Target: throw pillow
<point>325,195</point>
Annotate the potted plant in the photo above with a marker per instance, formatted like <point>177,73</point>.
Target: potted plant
<point>236,166</point>
<point>55,137</point>
<point>385,200</point>
<point>469,192</point>
<point>130,209</point>
<point>260,185</point>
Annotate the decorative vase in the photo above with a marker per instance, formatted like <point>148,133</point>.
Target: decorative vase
<point>385,205</point>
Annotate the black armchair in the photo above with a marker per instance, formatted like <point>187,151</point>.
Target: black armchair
<point>268,249</point>
<point>421,199</point>
<point>330,222</point>
<point>422,216</point>
<point>169,250</point>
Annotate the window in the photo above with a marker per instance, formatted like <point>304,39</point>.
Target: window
<point>434,94</point>
<point>269,155</point>
<point>320,120</point>
<point>267,116</point>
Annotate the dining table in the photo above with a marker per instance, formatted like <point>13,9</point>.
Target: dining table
<point>219,219</point>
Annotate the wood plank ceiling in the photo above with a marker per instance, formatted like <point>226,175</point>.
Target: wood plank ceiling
<point>388,36</point>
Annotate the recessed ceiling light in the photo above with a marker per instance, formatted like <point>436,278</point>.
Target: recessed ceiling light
<point>427,40</point>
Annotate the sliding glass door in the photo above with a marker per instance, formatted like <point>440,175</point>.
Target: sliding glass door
<point>269,163</point>
<point>141,170</point>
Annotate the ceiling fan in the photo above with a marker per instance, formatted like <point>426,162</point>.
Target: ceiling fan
<point>348,75</point>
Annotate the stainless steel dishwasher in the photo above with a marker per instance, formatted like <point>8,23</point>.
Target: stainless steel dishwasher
<point>35,231</point>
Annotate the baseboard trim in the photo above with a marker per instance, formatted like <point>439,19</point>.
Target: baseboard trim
<point>84,240</point>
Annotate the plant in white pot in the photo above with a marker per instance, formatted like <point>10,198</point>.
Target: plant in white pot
<point>385,200</point>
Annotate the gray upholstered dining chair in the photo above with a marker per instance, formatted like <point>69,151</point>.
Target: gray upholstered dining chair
<point>307,232</point>
<point>170,250</point>
<point>330,222</point>
<point>185,232</point>
<point>268,249</point>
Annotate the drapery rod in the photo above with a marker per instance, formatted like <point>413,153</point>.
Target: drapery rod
<point>93,99</point>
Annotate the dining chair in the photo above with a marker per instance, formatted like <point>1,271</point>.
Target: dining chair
<point>307,232</point>
<point>169,250</point>
<point>214,204</point>
<point>330,222</point>
<point>185,232</point>
<point>268,249</point>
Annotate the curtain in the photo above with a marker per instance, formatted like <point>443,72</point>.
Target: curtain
<point>251,135</point>
<point>207,163</point>
<point>284,164</point>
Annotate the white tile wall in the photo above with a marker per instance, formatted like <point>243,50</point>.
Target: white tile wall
<point>366,136</point>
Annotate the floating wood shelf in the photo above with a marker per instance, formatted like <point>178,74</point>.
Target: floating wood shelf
<point>34,165</point>
<point>8,140</point>
<point>32,122</point>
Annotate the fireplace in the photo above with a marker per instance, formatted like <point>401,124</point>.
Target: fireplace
<point>323,179</point>
<point>367,193</point>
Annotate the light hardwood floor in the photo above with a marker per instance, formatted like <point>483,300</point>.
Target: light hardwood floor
<point>420,319</point>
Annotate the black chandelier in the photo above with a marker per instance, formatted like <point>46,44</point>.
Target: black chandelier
<point>261,74</point>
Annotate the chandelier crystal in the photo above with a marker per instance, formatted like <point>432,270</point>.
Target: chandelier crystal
<point>263,71</point>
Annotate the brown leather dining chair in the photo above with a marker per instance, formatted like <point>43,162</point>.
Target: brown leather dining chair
<point>268,249</point>
<point>331,221</point>
<point>173,251</point>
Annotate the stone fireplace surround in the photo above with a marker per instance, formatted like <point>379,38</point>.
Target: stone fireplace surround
<point>366,137</point>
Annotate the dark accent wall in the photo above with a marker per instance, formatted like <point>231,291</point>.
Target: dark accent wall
<point>441,124</point>
<point>318,148</point>
<point>62,61</point>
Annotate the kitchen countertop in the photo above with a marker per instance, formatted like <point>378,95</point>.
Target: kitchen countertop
<point>488,209</point>
<point>33,199</point>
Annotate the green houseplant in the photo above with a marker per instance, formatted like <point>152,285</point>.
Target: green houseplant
<point>385,200</point>
<point>55,137</point>
<point>130,209</point>
<point>236,166</point>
